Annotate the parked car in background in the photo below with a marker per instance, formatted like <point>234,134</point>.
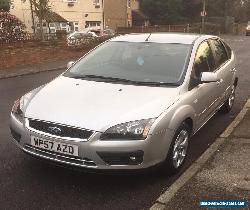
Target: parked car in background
<point>248,29</point>
<point>108,32</point>
<point>77,38</point>
<point>132,103</point>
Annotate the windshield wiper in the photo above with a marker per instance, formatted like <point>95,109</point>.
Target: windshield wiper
<point>113,79</point>
<point>90,76</point>
<point>157,84</point>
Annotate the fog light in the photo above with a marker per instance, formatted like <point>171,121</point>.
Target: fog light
<point>122,158</point>
<point>132,158</point>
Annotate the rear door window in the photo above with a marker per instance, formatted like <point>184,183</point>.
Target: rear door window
<point>220,53</point>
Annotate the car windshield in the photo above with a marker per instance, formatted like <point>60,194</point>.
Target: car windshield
<point>135,62</point>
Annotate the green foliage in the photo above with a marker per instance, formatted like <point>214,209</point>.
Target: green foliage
<point>5,5</point>
<point>61,34</point>
<point>11,28</point>
<point>162,11</point>
<point>191,10</point>
<point>175,11</point>
<point>41,8</point>
<point>210,28</point>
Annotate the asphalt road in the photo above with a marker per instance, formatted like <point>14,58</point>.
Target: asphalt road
<point>26,183</point>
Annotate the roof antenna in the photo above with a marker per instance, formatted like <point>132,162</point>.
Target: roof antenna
<point>146,40</point>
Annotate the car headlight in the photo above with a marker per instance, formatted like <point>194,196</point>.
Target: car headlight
<point>17,110</point>
<point>136,130</point>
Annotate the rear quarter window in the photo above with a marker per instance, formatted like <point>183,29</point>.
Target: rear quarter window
<point>228,49</point>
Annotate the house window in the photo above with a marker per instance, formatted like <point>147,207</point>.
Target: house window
<point>64,26</point>
<point>93,24</point>
<point>52,25</point>
<point>129,3</point>
<point>52,28</point>
<point>129,24</point>
<point>97,4</point>
<point>74,26</point>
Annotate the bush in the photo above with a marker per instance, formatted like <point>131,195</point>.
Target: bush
<point>210,28</point>
<point>60,34</point>
<point>87,42</point>
<point>11,28</point>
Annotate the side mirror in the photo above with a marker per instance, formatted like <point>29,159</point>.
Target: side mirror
<point>71,63</point>
<point>207,77</point>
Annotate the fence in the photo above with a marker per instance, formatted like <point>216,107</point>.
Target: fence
<point>210,28</point>
<point>161,28</point>
<point>239,28</point>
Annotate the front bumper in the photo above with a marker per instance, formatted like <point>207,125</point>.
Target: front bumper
<point>98,154</point>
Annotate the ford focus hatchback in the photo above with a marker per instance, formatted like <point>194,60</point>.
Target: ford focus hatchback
<point>131,103</point>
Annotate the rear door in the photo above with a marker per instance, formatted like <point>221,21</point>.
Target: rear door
<point>224,67</point>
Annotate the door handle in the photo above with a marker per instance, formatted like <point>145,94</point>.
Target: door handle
<point>219,81</point>
<point>233,70</point>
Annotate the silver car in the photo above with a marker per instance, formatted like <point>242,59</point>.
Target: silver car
<point>131,103</point>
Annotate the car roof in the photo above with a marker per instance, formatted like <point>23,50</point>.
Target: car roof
<point>177,38</point>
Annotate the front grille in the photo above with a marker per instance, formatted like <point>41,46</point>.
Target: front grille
<point>65,131</point>
<point>68,159</point>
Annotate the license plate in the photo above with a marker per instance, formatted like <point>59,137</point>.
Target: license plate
<point>54,146</point>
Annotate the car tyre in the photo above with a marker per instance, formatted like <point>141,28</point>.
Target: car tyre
<point>228,105</point>
<point>178,150</point>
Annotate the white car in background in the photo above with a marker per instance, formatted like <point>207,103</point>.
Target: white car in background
<point>78,37</point>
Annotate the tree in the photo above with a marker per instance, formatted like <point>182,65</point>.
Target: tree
<point>41,9</point>
<point>247,6</point>
<point>11,28</point>
<point>191,10</point>
<point>172,11</point>
<point>5,5</point>
<point>162,11</point>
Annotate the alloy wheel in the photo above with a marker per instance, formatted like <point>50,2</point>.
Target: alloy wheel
<point>180,148</point>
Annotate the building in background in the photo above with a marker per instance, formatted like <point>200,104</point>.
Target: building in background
<point>80,14</point>
<point>138,18</point>
<point>117,13</point>
<point>21,9</point>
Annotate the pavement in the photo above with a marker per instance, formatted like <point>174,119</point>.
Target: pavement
<point>34,68</point>
<point>221,173</point>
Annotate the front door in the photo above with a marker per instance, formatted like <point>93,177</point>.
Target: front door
<point>204,96</point>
